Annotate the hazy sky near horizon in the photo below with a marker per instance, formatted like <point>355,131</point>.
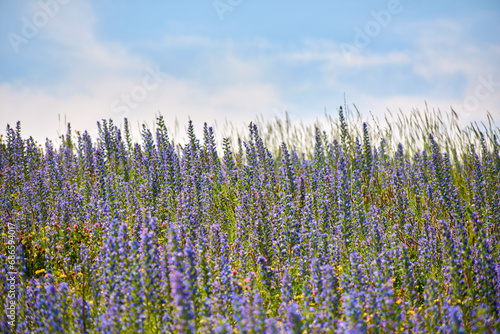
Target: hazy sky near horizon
<point>83,61</point>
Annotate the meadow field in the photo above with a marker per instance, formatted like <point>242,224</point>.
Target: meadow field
<point>343,227</point>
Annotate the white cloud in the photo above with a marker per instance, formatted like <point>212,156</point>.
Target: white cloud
<point>331,53</point>
<point>99,73</point>
<point>441,54</point>
<point>234,80</point>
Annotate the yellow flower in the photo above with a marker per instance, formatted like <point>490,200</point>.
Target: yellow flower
<point>62,276</point>
<point>398,301</point>
<point>299,296</point>
<point>40,271</point>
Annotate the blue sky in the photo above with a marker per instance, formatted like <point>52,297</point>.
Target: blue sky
<point>236,59</point>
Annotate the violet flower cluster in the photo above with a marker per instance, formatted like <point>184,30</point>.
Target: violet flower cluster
<point>155,237</point>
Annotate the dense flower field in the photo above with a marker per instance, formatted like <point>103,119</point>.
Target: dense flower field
<point>113,236</point>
